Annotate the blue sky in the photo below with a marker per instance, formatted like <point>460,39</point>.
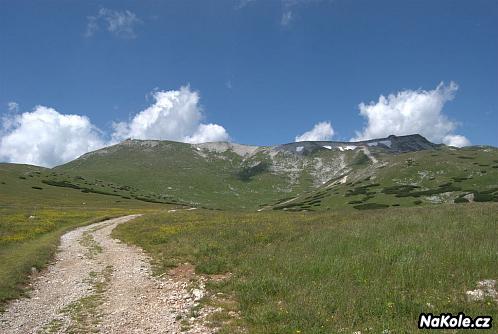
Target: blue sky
<point>264,71</point>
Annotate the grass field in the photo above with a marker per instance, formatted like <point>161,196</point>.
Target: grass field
<point>341,270</point>
<point>322,180</point>
<point>372,271</point>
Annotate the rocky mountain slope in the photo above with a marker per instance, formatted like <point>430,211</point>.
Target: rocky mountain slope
<point>321,175</point>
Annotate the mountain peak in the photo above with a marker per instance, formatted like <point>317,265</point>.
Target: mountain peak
<point>391,144</point>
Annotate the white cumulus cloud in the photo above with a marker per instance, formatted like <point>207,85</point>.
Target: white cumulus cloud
<point>208,133</point>
<point>175,115</point>
<point>456,140</point>
<point>412,111</point>
<point>45,137</point>
<point>321,131</point>
<point>120,23</point>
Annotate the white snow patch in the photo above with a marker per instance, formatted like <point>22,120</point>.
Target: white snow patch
<point>347,147</point>
<point>383,142</point>
<point>299,148</point>
<point>327,147</point>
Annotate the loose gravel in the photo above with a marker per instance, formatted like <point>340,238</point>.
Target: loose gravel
<point>99,285</point>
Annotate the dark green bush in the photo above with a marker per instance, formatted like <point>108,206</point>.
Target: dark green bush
<point>368,206</point>
<point>483,197</point>
<point>64,184</point>
<point>461,200</point>
<point>360,159</point>
<point>399,189</point>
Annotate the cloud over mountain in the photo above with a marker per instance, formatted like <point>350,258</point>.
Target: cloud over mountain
<point>175,115</point>
<point>412,111</point>
<point>48,138</point>
<point>321,131</point>
<point>45,137</point>
<point>456,140</point>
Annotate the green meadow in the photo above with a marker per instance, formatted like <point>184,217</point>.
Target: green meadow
<point>315,259</point>
<point>33,216</point>
<point>372,271</point>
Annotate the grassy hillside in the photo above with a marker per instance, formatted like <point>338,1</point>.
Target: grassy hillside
<point>34,214</point>
<point>32,186</point>
<point>308,177</point>
<point>200,177</point>
<point>442,175</point>
<point>331,272</point>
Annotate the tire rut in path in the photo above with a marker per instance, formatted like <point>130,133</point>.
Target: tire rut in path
<point>98,284</point>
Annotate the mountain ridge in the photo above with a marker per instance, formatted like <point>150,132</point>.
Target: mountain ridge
<point>396,144</point>
<point>305,176</point>
<point>228,175</point>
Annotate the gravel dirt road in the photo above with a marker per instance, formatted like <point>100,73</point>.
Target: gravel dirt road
<point>97,284</point>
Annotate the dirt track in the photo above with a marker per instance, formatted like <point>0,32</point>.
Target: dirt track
<point>97,284</point>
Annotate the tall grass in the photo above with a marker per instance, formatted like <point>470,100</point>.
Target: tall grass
<point>333,272</point>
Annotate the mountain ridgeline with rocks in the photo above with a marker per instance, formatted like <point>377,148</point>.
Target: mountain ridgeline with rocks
<point>300,176</point>
<point>311,175</point>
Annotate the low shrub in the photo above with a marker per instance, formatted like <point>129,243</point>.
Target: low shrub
<point>461,200</point>
<point>368,206</point>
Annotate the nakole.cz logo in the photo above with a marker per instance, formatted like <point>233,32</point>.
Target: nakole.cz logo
<point>449,321</point>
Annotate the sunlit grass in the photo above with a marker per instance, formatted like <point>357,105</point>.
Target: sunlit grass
<point>330,272</point>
